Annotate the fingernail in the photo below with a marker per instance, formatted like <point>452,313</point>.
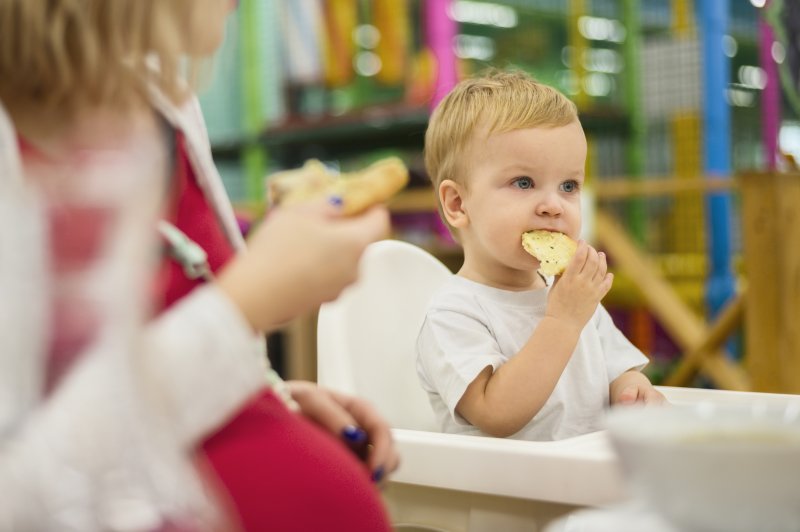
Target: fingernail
<point>377,475</point>
<point>336,201</point>
<point>354,435</point>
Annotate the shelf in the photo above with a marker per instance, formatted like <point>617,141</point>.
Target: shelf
<point>604,119</point>
<point>418,199</point>
<point>385,127</point>
<point>376,128</point>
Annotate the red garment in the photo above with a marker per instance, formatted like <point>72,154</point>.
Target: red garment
<point>281,471</point>
<point>190,212</point>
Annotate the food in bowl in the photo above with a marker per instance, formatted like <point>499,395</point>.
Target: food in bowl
<point>714,467</point>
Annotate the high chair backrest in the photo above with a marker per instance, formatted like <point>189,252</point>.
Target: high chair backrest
<point>366,339</point>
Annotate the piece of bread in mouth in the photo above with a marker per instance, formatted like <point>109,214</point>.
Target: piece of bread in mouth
<point>553,250</point>
<point>358,191</point>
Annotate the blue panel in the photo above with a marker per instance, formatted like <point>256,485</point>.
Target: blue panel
<point>713,17</point>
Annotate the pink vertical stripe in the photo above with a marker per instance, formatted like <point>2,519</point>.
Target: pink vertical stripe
<point>770,96</point>
<point>440,32</point>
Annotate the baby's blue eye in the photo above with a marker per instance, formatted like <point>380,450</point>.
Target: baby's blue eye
<point>569,186</point>
<point>523,183</point>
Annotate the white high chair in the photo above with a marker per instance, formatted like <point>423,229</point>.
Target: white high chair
<point>366,338</point>
<point>366,347</point>
<point>450,482</point>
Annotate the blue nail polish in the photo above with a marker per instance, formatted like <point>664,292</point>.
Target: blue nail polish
<point>354,435</point>
<point>377,475</point>
<point>336,201</point>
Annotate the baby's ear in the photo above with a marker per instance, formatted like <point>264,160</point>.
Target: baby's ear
<point>451,199</point>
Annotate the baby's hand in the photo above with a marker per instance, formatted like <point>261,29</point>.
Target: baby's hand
<point>633,387</point>
<point>578,291</point>
<point>639,393</point>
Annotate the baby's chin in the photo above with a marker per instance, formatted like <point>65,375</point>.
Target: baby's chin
<point>526,266</point>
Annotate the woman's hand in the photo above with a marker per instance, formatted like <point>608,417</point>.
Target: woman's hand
<point>298,258</point>
<point>353,420</point>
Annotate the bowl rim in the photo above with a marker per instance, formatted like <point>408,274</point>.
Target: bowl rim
<point>673,424</point>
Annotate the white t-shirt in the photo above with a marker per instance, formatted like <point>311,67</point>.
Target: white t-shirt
<point>469,326</point>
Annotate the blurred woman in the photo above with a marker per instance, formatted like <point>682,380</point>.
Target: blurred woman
<point>195,420</point>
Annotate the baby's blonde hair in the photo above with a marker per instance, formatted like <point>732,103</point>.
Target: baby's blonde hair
<point>63,55</point>
<point>497,101</point>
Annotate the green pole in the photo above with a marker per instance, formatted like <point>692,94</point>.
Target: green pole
<point>253,157</point>
<point>635,208</point>
<point>271,71</point>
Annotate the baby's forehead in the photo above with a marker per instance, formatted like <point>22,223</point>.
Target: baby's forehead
<point>542,145</point>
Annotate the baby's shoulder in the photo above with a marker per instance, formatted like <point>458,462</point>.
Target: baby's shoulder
<point>453,295</point>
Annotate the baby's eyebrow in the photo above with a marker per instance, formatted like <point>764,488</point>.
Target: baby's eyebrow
<point>521,169</point>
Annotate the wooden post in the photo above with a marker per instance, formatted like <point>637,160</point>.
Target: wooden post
<point>771,234</point>
<point>788,191</point>
<point>760,239</point>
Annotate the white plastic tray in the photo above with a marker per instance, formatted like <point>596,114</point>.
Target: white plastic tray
<point>475,484</point>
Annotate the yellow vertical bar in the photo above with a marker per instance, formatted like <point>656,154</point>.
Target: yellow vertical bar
<point>392,18</point>
<point>687,234</point>
<point>683,18</point>
<point>341,18</point>
<point>579,46</point>
<point>591,159</point>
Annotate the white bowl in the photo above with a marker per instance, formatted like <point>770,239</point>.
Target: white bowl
<point>714,467</point>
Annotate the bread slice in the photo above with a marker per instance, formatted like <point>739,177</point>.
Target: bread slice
<point>554,250</point>
<point>358,190</point>
<point>293,186</point>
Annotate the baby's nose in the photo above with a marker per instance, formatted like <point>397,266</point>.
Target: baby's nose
<point>549,205</point>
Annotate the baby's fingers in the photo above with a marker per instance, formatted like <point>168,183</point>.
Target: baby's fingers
<point>578,261</point>
<point>592,264</point>
<point>654,397</point>
<point>605,285</point>
<point>629,395</point>
<point>602,266</point>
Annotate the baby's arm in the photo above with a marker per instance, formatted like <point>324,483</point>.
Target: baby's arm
<point>500,403</point>
<point>634,387</point>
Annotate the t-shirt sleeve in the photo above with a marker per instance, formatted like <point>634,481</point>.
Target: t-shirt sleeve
<point>204,360</point>
<point>620,354</point>
<point>452,349</point>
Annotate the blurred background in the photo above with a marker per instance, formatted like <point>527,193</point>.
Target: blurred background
<point>691,113</point>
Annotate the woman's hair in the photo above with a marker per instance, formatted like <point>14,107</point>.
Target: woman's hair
<point>65,55</point>
<point>495,102</point>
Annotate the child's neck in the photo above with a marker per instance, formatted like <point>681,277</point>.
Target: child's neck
<point>502,277</point>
